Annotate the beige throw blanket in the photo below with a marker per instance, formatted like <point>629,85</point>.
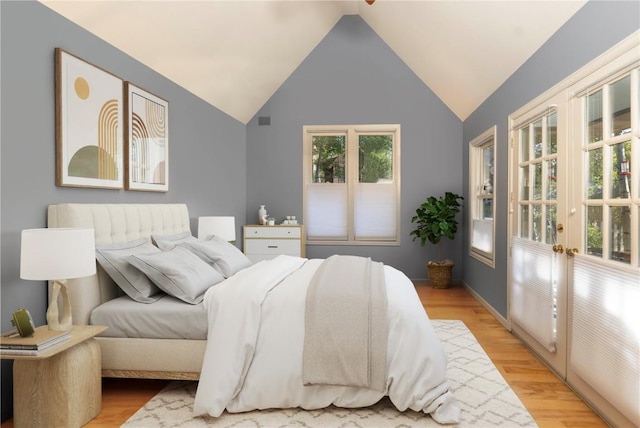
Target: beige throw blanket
<point>346,324</point>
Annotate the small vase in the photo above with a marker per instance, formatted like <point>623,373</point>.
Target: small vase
<point>262,215</point>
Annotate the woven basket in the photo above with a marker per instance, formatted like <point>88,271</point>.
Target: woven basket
<point>440,274</point>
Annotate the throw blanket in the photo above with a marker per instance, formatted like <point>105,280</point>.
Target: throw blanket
<point>345,324</point>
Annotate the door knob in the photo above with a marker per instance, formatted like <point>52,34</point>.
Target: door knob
<point>559,249</point>
<point>572,252</point>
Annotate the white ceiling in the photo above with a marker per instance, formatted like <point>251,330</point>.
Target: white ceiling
<point>235,54</point>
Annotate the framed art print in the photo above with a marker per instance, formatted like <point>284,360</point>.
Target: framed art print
<point>146,141</point>
<point>89,124</point>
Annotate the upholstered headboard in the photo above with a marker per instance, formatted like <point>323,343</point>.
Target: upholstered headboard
<point>112,223</point>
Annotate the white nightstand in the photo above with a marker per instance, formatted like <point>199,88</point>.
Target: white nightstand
<point>267,242</point>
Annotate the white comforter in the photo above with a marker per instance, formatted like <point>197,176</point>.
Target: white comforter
<point>253,358</point>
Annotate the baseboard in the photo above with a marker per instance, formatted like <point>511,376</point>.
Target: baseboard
<point>497,315</point>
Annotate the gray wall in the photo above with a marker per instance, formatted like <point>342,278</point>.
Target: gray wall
<point>207,147</point>
<point>353,77</point>
<point>595,28</point>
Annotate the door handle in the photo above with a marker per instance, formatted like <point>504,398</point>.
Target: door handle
<point>572,252</point>
<point>559,249</point>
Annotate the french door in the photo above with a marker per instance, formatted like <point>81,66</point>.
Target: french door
<point>538,295</point>
<point>574,294</point>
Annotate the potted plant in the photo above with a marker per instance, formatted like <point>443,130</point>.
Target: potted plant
<point>436,218</point>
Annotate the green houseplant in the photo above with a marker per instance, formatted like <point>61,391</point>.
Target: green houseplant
<point>436,218</point>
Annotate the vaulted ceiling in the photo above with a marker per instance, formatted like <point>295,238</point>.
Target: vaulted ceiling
<point>235,54</point>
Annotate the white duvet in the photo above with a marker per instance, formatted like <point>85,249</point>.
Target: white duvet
<point>253,358</point>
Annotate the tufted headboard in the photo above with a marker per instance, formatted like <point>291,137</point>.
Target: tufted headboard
<point>112,223</point>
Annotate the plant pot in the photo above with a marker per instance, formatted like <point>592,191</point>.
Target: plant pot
<point>440,273</point>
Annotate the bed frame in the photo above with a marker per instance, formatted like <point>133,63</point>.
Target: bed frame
<point>128,357</point>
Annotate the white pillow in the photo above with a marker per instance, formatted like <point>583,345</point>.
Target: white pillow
<point>178,272</point>
<point>167,242</point>
<point>222,255</point>
<point>133,282</point>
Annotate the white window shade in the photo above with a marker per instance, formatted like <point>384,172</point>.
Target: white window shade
<point>375,211</point>
<point>326,214</point>
<point>482,235</point>
<point>605,344</point>
<point>532,297</point>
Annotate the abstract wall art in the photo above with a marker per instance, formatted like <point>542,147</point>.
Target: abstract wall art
<point>146,140</point>
<point>89,124</point>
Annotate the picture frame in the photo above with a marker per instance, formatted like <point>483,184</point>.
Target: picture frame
<point>89,124</point>
<point>146,140</point>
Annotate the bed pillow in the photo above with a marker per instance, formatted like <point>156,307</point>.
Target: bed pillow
<point>225,257</point>
<point>130,280</point>
<point>167,242</point>
<point>178,272</point>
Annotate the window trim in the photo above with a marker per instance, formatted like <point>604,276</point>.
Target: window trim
<point>476,164</point>
<point>351,180</point>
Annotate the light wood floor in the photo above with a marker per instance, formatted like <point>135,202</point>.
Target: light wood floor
<point>549,400</point>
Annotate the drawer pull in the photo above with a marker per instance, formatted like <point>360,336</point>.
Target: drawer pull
<point>272,246</point>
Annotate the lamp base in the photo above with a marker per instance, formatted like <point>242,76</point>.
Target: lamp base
<point>54,320</point>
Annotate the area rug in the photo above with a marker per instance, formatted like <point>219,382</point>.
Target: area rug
<point>485,399</point>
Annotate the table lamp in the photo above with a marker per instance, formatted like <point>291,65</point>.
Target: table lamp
<point>222,226</point>
<point>57,254</point>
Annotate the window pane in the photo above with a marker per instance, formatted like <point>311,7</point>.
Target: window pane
<point>537,223</point>
<point>537,139</point>
<point>487,173</point>
<point>375,158</point>
<point>487,209</point>
<point>594,231</point>
<point>621,234</point>
<point>328,159</point>
<point>524,221</point>
<point>537,181</point>
<point>552,180</point>
<point>594,174</point>
<point>594,117</point>
<point>524,144</point>
<point>620,103</point>
<point>621,170</point>
<point>524,180</point>
<point>552,219</point>
<point>552,133</point>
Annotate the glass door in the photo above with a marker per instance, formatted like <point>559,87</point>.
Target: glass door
<point>604,258</point>
<point>574,276</point>
<point>538,292</point>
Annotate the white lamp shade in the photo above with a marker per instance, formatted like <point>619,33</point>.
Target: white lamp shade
<point>57,253</point>
<point>222,226</point>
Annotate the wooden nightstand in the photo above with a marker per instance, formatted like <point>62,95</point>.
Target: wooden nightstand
<point>267,242</point>
<point>62,386</point>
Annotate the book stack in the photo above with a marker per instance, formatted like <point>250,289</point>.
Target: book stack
<point>11,343</point>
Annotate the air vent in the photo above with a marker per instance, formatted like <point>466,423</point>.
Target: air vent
<point>264,120</point>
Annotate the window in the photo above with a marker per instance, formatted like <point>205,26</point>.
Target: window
<point>482,202</point>
<point>352,184</point>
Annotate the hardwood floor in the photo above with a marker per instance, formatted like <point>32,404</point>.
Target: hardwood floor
<point>548,399</point>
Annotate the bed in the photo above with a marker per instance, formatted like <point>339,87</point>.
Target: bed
<point>244,338</point>
<point>128,357</point>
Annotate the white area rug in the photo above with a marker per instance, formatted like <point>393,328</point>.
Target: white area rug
<point>484,397</point>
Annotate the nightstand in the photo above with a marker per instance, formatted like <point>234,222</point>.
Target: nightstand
<point>267,242</point>
<point>62,387</point>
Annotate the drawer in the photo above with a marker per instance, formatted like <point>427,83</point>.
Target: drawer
<point>271,232</point>
<point>272,246</point>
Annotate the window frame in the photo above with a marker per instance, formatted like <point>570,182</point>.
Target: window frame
<point>477,196</point>
<point>351,177</point>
